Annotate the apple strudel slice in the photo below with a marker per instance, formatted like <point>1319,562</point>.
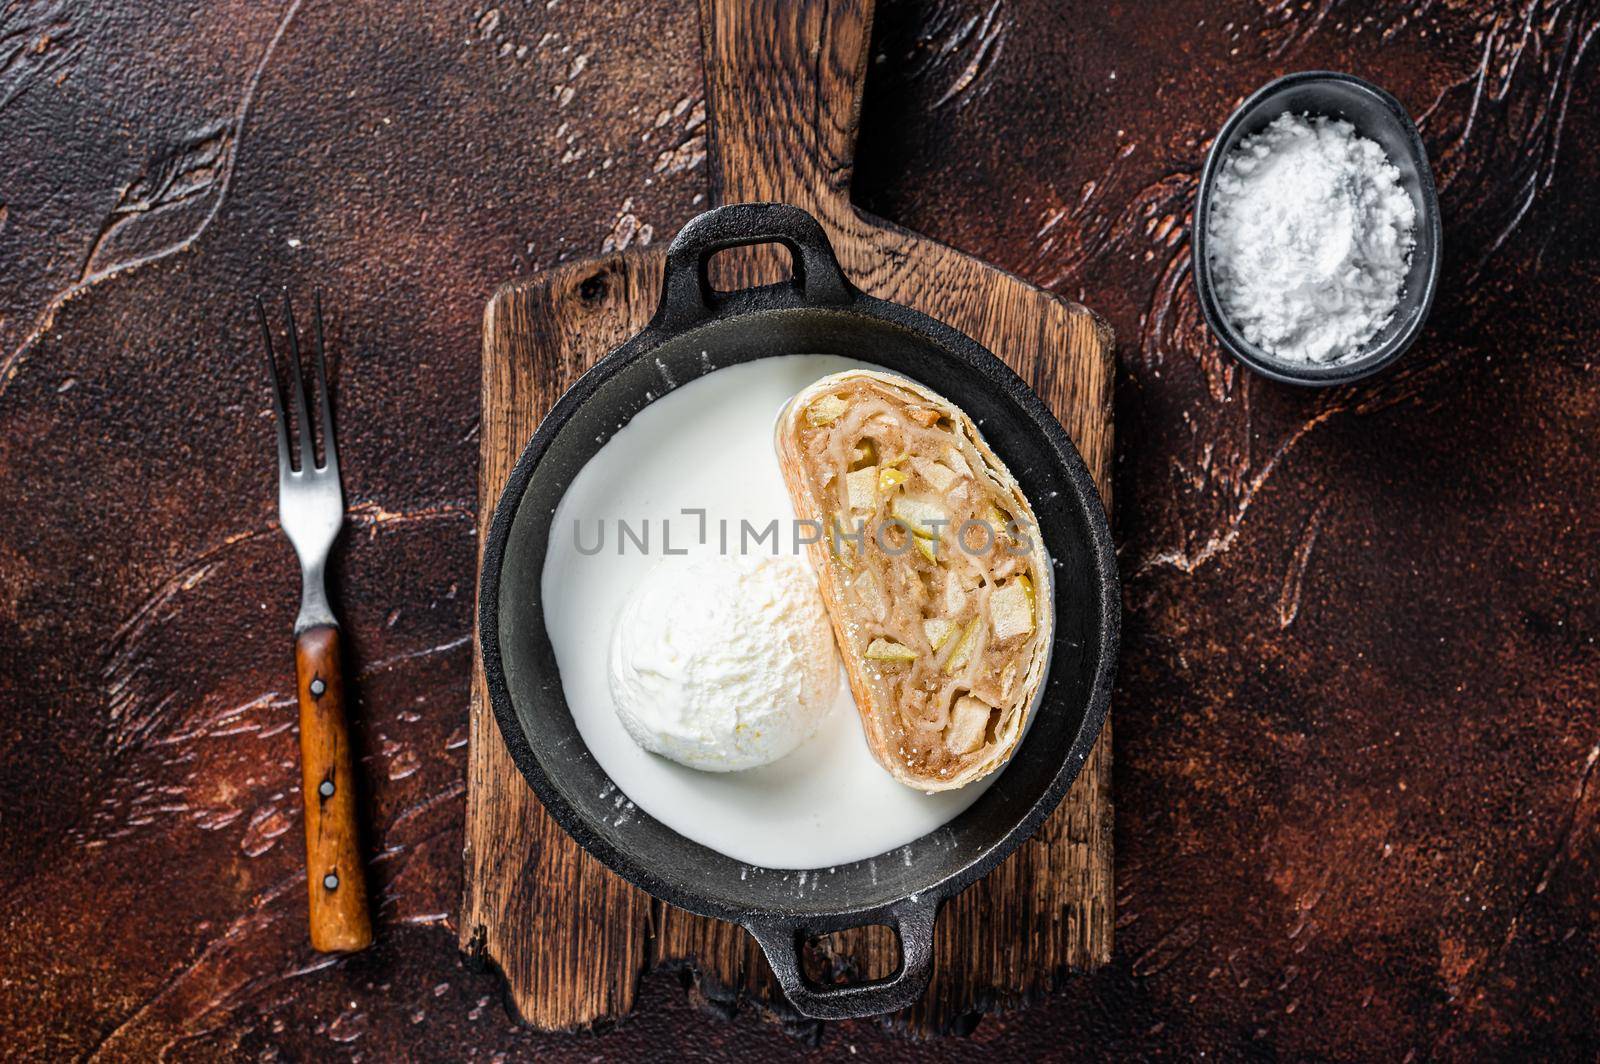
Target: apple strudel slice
<point>931,568</point>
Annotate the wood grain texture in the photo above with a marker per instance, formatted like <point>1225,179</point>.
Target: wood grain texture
<point>783,83</point>
<point>336,883</point>
<point>568,935</point>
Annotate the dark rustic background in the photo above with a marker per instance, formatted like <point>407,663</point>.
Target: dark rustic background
<point>1356,720</point>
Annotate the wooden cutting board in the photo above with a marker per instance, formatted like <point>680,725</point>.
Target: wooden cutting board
<point>783,91</point>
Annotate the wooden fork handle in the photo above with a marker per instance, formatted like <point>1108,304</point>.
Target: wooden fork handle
<point>334,878</point>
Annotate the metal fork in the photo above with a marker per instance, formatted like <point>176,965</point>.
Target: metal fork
<point>311,511</point>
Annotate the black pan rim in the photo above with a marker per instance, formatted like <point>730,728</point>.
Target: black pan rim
<point>1106,587</point>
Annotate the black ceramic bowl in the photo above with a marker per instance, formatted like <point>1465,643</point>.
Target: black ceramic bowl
<point>818,312</point>
<point>1376,116</point>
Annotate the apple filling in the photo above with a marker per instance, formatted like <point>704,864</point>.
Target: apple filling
<point>929,567</point>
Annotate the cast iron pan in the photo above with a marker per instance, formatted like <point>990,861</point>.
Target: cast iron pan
<point>818,312</point>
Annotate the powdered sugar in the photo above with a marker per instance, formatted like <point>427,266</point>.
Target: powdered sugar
<point>1309,239</point>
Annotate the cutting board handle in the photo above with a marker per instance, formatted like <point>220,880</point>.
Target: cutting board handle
<point>783,99</point>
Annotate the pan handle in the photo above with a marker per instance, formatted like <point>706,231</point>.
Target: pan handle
<point>780,941</point>
<point>687,296</point>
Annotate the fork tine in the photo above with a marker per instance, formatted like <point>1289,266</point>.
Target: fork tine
<point>330,449</point>
<point>308,447</point>
<point>278,422</point>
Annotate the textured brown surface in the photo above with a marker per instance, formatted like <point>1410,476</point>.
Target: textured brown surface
<point>1355,752</point>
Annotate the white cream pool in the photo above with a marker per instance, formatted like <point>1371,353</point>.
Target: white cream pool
<point>708,446</point>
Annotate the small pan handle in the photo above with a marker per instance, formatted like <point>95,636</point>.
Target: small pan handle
<point>780,941</point>
<point>687,296</point>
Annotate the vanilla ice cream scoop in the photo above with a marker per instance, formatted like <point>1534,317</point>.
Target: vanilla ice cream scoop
<point>723,663</point>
